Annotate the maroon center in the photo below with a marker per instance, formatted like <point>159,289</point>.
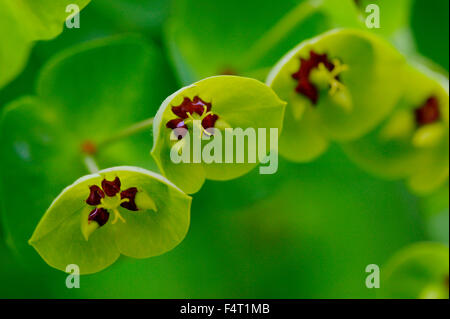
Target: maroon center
<point>188,106</point>
<point>110,189</point>
<point>100,215</point>
<point>428,113</point>
<point>304,86</point>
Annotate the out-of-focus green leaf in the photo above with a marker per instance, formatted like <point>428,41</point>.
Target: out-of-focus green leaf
<point>417,271</point>
<point>430,27</point>
<point>101,18</point>
<point>24,21</point>
<point>133,15</point>
<point>15,281</point>
<point>87,93</point>
<point>238,37</point>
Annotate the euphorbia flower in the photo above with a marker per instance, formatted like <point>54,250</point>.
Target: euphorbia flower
<point>216,103</point>
<point>80,227</point>
<point>338,87</point>
<point>412,143</point>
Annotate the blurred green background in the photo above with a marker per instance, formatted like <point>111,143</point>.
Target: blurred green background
<point>307,232</point>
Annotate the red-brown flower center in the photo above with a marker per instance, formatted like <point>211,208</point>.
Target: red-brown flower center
<point>187,109</point>
<point>111,189</point>
<point>303,75</point>
<point>428,113</point>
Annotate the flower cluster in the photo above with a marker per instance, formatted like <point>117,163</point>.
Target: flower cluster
<point>107,198</point>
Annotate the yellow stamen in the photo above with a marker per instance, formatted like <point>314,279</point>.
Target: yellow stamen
<point>117,216</point>
<point>192,120</point>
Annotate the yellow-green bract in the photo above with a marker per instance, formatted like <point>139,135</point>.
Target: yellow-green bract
<point>402,148</point>
<point>160,223</point>
<point>354,87</point>
<point>238,102</point>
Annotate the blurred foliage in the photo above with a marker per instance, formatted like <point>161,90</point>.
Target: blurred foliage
<point>309,231</point>
<point>207,38</point>
<point>417,271</point>
<point>429,24</point>
<point>22,23</point>
<point>101,18</point>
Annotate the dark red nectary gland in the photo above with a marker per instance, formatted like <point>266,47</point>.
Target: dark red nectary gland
<point>99,215</point>
<point>429,113</point>
<point>111,188</point>
<point>209,121</point>
<point>197,105</point>
<point>130,194</point>
<point>178,124</point>
<point>95,195</point>
<point>305,87</point>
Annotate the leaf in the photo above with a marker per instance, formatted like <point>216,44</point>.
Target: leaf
<point>239,103</point>
<point>23,22</point>
<point>197,31</point>
<point>366,74</point>
<point>134,15</point>
<point>401,148</point>
<point>86,93</point>
<point>417,271</point>
<point>149,231</point>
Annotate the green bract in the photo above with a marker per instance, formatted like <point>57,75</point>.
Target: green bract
<point>22,23</point>
<point>418,271</point>
<point>412,143</point>
<point>69,232</point>
<point>84,95</point>
<point>236,102</point>
<point>338,86</point>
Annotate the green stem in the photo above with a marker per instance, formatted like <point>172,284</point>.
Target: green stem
<point>272,37</point>
<point>129,131</point>
<point>89,159</point>
<point>91,165</point>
